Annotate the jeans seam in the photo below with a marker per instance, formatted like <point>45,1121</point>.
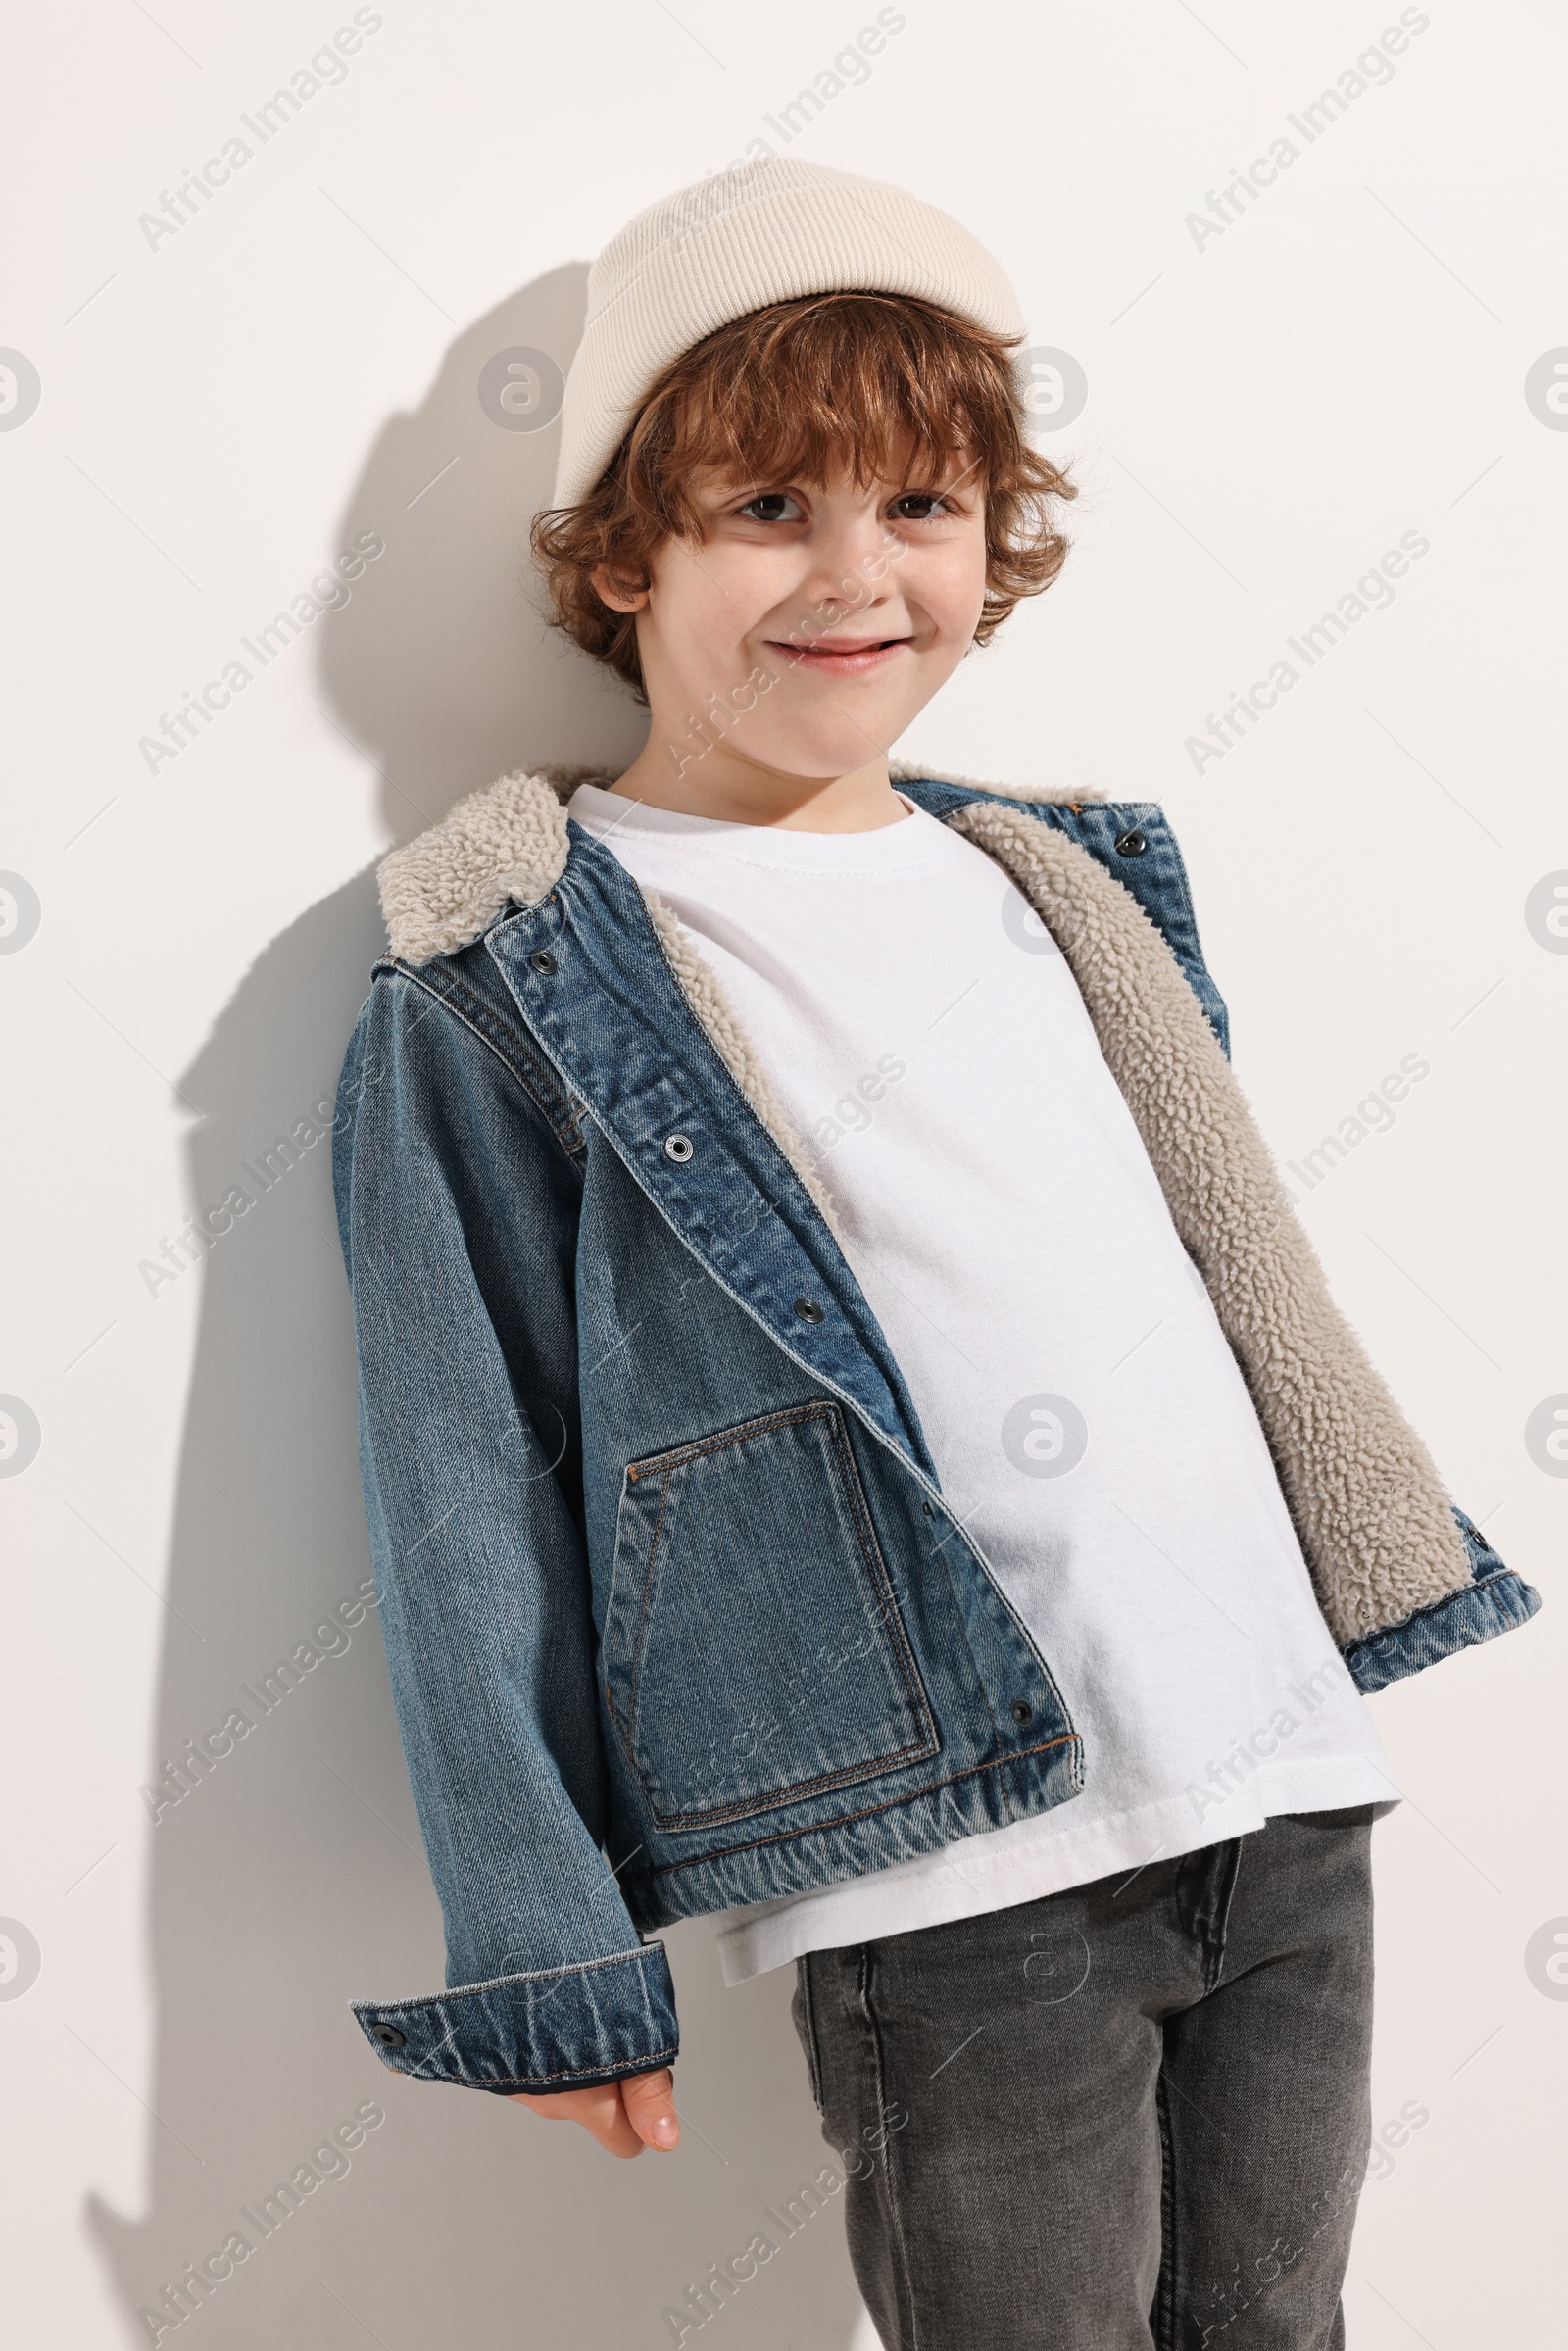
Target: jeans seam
<point>908,2310</point>
<point>1163,2317</point>
<point>813,2055</point>
<point>1214,1921</point>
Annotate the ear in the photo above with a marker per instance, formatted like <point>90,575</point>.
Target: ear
<point>615,593</point>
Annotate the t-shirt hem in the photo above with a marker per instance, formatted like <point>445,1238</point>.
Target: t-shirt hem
<point>1052,1860</point>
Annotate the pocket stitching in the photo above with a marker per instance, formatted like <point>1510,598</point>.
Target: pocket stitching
<point>679,1455</point>
<point>873,1568</point>
<point>641,1614</point>
<point>877,1569</point>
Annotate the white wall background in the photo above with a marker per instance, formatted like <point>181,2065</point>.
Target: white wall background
<point>219,414</point>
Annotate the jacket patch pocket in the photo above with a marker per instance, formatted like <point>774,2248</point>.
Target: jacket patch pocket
<point>752,1652</point>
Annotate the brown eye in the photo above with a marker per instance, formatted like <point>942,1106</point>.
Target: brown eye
<point>773,505</point>
<point>917,505</point>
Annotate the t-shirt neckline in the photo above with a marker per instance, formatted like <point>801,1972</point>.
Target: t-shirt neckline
<point>913,843</point>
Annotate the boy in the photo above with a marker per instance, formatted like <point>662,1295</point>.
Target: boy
<point>853,1438</point>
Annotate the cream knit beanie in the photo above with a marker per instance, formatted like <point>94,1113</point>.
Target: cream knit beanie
<point>762,232</point>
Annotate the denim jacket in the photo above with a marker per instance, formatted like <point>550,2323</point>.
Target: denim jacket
<point>676,1612</point>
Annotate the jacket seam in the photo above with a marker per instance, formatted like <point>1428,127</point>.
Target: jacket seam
<point>561,2073</point>
<point>490,1984</point>
<point>515,1054</point>
<point>842,1819</point>
<point>568,1132</point>
<point>1445,1600</point>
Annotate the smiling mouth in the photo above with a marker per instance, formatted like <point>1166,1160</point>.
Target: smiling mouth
<point>841,653</point>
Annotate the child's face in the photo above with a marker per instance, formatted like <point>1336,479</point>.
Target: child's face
<point>813,620</point>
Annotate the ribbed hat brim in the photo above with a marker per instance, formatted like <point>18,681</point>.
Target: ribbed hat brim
<point>767,232</point>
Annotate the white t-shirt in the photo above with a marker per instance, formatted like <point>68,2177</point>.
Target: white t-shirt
<point>1088,1420</point>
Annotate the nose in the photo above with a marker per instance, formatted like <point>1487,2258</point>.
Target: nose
<point>851,555</point>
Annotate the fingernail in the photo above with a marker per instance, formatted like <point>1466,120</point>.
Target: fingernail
<point>665,2131</point>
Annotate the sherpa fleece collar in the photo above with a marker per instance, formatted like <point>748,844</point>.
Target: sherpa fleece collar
<point>510,840</point>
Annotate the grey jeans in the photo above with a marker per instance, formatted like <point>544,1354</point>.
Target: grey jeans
<point>1135,2114</point>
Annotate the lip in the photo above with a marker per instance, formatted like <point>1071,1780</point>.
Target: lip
<point>840,657</point>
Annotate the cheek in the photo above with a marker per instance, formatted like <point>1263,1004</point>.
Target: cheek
<point>949,584</point>
<point>951,581</point>
<point>702,605</point>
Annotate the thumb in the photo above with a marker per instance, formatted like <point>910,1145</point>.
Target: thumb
<point>650,2103</point>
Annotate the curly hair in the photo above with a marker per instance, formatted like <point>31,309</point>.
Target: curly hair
<point>886,385</point>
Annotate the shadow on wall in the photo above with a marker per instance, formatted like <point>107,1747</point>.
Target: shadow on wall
<point>289,1878</point>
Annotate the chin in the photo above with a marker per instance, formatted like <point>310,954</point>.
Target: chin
<point>824,755</point>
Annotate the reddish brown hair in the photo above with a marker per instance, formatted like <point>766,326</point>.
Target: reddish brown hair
<point>888,384</point>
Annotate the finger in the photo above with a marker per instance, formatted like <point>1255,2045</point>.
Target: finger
<point>650,2103</point>
<point>601,2114</point>
<point>616,2135</point>
<point>598,2110</point>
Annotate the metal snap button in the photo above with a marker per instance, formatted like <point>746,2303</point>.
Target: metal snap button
<point>1021,1711</point>
<point>679,1148</point>
<point>542,959</point>
<point>390,2037</point>
<point>1131,844</point>
<point>807,1309</point>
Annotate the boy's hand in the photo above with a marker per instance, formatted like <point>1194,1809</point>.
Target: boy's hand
<point>624,2116</point>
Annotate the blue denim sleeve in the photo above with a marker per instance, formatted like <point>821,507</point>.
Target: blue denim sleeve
<point>457,1208</point>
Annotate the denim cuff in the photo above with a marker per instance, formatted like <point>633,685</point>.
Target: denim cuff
<point>551,2030</point>
<point>1478,1611</point>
